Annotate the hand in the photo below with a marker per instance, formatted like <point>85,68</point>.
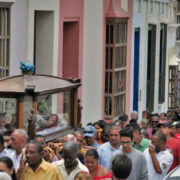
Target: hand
<point>52,146</point>
<point>151,150</point>
<point>22,163</point>
<point>87,147</point>
<point>21,168</point>
<point>58,150</point>
<point>46,155</point>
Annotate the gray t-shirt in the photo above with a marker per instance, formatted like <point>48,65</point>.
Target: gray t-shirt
<point>139,166</point>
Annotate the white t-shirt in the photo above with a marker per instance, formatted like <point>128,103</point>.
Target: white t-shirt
<point>165,159</point>
<point>79,168</point>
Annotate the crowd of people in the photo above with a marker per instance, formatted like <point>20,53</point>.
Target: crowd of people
<point>132,148</point>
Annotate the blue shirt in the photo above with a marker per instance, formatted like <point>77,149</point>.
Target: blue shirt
<point>105,152</point>
<point>95,144</point>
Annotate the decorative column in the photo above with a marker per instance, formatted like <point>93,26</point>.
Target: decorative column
<point>20,113</point>
<point>75,107</point>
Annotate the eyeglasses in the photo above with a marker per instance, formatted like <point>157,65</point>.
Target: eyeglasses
<point>91,132</point>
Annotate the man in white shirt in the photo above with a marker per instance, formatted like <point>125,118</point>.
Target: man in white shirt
<point>158,158</point>
<point>70,166</point>
<point>4,151</point>
<point>18,142</point>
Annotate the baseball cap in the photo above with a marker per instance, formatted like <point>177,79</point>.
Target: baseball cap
<point>89,131</point>
<point>164,123</point>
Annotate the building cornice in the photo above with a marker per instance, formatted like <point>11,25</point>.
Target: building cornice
<point>6,3</point>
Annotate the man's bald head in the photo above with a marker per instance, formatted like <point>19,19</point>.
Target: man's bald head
<point>71,146</point>
<point>18,140</point>
<point>70,151</point>
<point>70,137</point>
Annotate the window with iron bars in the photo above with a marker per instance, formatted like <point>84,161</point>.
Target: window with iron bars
<point>115,69</point>
<point>4,51</point>
<point>4,41</point>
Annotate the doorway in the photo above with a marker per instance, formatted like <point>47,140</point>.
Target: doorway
<point>43,42</point>
<point>71,49</point>
<point>151,55</point>
<point>136,69</point>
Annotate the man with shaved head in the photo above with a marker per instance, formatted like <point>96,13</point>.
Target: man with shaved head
<point>70,166</point>
<point>69,137</point>
<point>18,140</point>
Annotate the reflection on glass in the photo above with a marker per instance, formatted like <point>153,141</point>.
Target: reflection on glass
<point>28,106</point>
<point>108,105</point>
<point>7,115</point>
<point>119,107</point>
<point>53,113</point>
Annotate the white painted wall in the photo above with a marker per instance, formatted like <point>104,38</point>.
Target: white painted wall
<point>18,35</point>
<point>137,23</point>
<point>49,6</point>
<point>92,61</point>
<point>143,58</point>
<point>125,5</point>
<point>161,15</point>
<point>151,13</point>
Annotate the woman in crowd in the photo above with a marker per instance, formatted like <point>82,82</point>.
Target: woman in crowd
<point>6,165</point>
<point>99,126</point>
<point>145,115</point>
<point>144,124</point>
<point>97,172</point>
<point>83,176</point>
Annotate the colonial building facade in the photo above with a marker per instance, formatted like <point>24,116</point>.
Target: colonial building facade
<point>120,49</point>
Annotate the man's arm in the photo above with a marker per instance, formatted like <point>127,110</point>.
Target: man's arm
<point>178,151</point>
<point>20,169</point>
<point>154,160</point>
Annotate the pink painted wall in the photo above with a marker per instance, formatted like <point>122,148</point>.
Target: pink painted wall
<point>119,13</point>
<point>71,11</point>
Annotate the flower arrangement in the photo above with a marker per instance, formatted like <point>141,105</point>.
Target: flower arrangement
<point>26,67</point>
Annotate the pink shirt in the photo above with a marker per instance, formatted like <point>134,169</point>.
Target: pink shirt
<point>149,131</point>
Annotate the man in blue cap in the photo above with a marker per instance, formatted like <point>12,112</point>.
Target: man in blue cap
<point>90,136</point>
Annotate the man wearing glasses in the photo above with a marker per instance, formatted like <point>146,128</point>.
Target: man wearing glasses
<point>154,123</point>
<point>139,165</point>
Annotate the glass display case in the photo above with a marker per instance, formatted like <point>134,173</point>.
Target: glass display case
<point>53,100</point>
